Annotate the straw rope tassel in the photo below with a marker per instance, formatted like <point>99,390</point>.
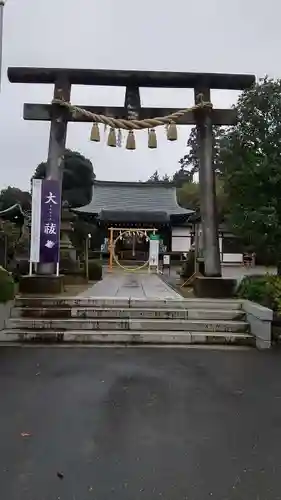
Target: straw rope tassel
<point>131,141</point>
<point>111,141</point>
<point>95,133</point>
<point>152,139</point>
<point>172,132</point>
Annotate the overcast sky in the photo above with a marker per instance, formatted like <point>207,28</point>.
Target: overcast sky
<point>241,36</point>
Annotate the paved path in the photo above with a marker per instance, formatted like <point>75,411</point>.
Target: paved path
<point>228,271</point>
<point>139,424</point>
<point>131,285</point>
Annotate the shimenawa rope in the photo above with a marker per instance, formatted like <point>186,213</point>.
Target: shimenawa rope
<point>132,124</point>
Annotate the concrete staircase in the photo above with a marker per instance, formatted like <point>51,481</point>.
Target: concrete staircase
<point>128,321</point>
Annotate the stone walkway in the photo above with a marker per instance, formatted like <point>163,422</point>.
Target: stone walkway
<point>134,286</point>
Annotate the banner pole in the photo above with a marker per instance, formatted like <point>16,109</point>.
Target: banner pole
<point>2,4</point>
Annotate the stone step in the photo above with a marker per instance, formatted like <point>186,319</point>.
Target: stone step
<point>107,302</point>
<point>125,313</point>
<point>126,337</point>
<point>128,324</point>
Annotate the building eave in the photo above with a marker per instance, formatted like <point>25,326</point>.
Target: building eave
<point>146,197</point>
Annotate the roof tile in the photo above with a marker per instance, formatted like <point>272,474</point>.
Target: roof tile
<point>134,197</point>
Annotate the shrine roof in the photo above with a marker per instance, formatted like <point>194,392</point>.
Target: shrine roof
<point>123,78</point>
<point>129,198</point>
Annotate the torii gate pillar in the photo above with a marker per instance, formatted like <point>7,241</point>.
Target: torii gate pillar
<point>208,205</point>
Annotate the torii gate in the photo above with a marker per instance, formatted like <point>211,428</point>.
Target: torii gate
<point>203,118</point>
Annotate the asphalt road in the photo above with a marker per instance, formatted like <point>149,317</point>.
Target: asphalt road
<point>130,424</point>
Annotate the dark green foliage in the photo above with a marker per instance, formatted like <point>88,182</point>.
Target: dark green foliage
<point>11,196</point>
<point>190,162</point>
<point>7,286</point>
<point>189,197</point>
<point>78,178</point>
<point>182,176</point>
<point>166,178</point>
<point>19,268</point>
<point>95,270</point>
<point>247,158</point>
<point>68,266</point>
<point>251,153</point>
<point>265,290</point>
<point>155,177</point>
<point>81,230</point>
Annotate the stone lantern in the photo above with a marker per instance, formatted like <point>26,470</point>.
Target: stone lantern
<point>67,250</point>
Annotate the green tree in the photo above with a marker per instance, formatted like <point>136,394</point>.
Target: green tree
<point>78,178</point>
<point>166,178</point>
<point>81,230</point>
<point>189,197</point>
<point>13,233</point>
<point>12,222</point>
<point>11,196</point>
<point>182,176</point>
<point>251,154</point>
<point>155,177</point>
<point>190,163</point>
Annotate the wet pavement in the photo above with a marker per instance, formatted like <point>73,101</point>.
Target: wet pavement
<point>129,424</point>
<point>142,285</point>
<point>131,285</point>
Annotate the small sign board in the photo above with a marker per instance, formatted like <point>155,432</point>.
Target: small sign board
<point>166,260</point>
<point>154,251</point>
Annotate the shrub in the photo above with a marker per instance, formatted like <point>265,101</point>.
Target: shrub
<point>7,286</point>
<point>19,268</point>
<point>265,290</point>
<point>95,270</point>
<point>68,266</point>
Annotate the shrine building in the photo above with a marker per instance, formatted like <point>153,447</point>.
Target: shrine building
<point>148,205</point>
<point>139,205</point>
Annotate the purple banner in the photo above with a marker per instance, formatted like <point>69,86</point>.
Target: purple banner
<point>50,221</point>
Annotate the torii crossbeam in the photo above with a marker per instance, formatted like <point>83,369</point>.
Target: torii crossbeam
<point>204,119</point>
